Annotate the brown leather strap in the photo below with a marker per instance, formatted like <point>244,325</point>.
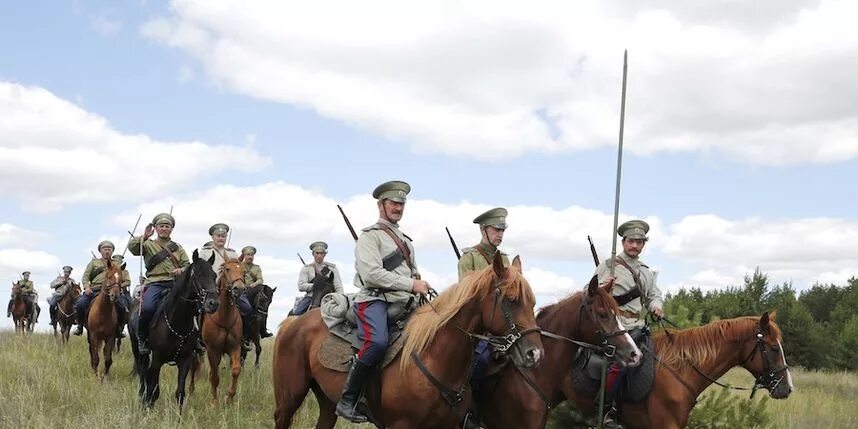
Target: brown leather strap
<point>634,274</point>
<point>170,255</point>
<point>402,246</point>
<point>479,248</point>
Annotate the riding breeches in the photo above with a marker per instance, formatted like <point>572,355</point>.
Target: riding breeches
<point>372,331</point>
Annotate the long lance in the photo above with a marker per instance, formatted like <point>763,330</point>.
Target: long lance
<point>453,243</point>
<point>616,210</point>
<point>301,258</point>
<point>593,252</point>
<point>228,238</point>
<point>354,234</point>
<point>136,224</point>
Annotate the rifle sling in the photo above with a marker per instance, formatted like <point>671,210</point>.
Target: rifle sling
<point>166,252</point>
<point>635,292</point>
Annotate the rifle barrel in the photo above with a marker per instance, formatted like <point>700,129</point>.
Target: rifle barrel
<point>453,243</point>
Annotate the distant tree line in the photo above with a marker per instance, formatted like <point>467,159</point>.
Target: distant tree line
<point>820,324</point>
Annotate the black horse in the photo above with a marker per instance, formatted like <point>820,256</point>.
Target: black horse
<point>260,298</point>
<point>174,329</point>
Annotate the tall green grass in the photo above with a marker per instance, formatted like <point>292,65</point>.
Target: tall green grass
<point>44,385</point>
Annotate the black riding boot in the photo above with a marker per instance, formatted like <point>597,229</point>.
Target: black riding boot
<point>142,337</point>
<point>53,313</point>
<point>9,309</point>
<point>79,330</point>
<point>347,407</point>
<point>265,333</point>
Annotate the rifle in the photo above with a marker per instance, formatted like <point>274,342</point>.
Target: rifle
<point>453,243</point>
<point>354,235</point>
<point>132,233</point>
<point>593,252</point>
<point>302,259</point>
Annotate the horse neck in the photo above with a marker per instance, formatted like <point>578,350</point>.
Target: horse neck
<point>455,348</point>
<point>102,298</point>
<point>182,305</point>
<point>728,356</point>
<point>559,354</point>
<point>225,306</point>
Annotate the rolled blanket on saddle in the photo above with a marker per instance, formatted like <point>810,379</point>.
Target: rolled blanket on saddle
<point>335,307</point>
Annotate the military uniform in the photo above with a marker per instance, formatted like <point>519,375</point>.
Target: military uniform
<point>386,272</point>
<point>624,280</point>
<point>638,294</point>
<point>252,280</point>
<point>473,259</point>
<point>221,255</point>
<point>94,277</point>
<point>28,292</point>
<point>161,257</point>
<point>60,285</point>
<point>308,275</point>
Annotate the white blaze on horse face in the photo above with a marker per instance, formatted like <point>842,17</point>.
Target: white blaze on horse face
<point>788,375</point>
<point>637,352</point>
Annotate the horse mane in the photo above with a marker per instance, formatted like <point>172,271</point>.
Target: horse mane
<point>552,311</point>
<point>429,319</point>
<point>701,345</point>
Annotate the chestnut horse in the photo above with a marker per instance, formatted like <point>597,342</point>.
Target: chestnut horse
<point>524,398</point>
<point>103,319</point>
<point>65,312</point>
<point>222,329</point>
<point>440,335</point>
<point>23,321</point>
<point>690,360</point>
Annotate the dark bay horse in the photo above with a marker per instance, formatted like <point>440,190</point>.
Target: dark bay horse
<point>517,398</point>
<point>22,319</point>
<point>439,335</point>
<point>692,359</point>
<point>260,298</point>
<point>222,329</point>
<point>174,331</point>
<point>102,321</point>
<point>65,312</point>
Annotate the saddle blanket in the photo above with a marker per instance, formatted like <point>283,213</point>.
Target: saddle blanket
<point>635,385</point>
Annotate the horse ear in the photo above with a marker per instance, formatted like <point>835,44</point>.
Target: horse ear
<point>497,266</point>
<point>593,286</point>
<point>211,260</point>
<point>241,258</point>
<point>764,321</point>
<point>516,263</point>
<point>773,315</point>
<point>195,256</point>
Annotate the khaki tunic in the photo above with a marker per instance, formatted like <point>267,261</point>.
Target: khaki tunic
<point>97,281</point>
<point>27,287</point>
<point>372,246</point>
<point>206,252</point>
<point>164,270</point>
<point>252,275</point>
<point>308,274</point>
<point>650,298</point>
<point>60,284</point>
<point>472,260</point>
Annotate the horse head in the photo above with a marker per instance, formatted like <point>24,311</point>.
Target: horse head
<point>601,310</point>
<point>265,297</point>
<point>507,313</point>
<point>765,358</point>
<point>231,275</point>
<point>204,281</point>
<point>112,281</point>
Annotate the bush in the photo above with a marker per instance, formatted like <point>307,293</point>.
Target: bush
<point>721,409</point>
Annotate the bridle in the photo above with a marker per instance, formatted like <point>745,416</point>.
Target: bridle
<point>605,347</point>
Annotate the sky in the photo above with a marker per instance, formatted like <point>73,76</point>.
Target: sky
<point>741,132</point>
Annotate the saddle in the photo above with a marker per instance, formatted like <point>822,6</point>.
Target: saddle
<point>338,349</point>
<point>637,382</point>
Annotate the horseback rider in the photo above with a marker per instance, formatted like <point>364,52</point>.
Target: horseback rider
<point>217,246</point>
<point>310,272</point>
<point>634,290</point>
<point>386,273</point>
<point>94,277</point>
<point>252,279</point>
<point>28,294</point>
<point>60,285</point>
<point>492,226</point>
<point>124,293</point>
<point>164,259</point>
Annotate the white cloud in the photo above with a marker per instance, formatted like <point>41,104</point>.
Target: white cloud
<point>104,25</point>
<point>13,236</point>
<point>761,83</point>
<point>54,153</point>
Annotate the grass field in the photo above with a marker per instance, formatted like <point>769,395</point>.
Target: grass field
<point>43,385</point>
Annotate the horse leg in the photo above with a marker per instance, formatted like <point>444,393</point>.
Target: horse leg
<point>108,357</point>
<point>235,361</point>
<point>214,375</point>
<point>258,350</point>
<point>93,351</point>
<point>291,399</point>
<point>153,390</point>
<point>184,368</point>
<point>327,409</point>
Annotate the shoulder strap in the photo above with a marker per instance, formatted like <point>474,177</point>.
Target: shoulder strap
<point>95,272</point>
<point>635,292</point>
<point>166,252</point>
<point>483,252</point>
<point>402,247</point>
